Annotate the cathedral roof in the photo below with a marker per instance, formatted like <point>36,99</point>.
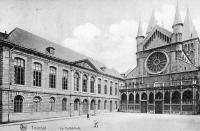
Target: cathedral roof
<point>177,18</point>
<point>152,23</point>
<point>133,73</point>
<point>28,40</point>
<point>189,30</point>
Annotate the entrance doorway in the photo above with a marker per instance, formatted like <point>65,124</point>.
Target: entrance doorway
<point>85,106</point>
<point>143,106</point>
<point>110,106</point>
<point>158,107</point>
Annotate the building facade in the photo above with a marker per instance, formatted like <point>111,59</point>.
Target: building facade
<point>166,78</point>
<point>40,79</point>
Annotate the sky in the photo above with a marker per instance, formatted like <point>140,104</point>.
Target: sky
<point>102,29</point>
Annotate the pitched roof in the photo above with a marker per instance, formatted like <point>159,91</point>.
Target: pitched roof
<point>152,23</point>
<point>133,73</point>
<point>26,39</point>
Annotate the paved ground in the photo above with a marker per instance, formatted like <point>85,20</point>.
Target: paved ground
<point>116,122</point>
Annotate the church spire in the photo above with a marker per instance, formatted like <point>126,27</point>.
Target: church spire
<point>177,18</point>
<point>152,23</point>
<point>189,30</point>
<point>140,31</point>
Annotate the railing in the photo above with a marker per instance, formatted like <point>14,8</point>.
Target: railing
<point>162,84</point>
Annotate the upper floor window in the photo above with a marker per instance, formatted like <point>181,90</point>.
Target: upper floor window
<point>76,81</point>
<point>52,77</point>
<point>116,88</point>
<point>37,74</point>
<point>105,87</point>
<point>85,83</point>
<point>50,50</point>
<point>65,80</point>
<point>92,84</point>
<point>111,87</point>
<point>99,86</point>
<point>19,67</point>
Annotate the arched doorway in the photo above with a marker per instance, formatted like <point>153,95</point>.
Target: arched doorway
<point>85,106</point>
<point>131,99</point>
<point>159,103</point>
<point>76,106</point>
<point>123,105</point>
<point>110,106</point>
<point>144,103</point>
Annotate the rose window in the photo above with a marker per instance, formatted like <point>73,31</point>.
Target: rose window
<point>156,62</point>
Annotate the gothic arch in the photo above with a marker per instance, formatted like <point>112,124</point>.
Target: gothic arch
<point>131,99</point>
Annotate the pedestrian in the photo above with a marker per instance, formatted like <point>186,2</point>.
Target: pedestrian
<point>96,124</point>
<point>88,116</point>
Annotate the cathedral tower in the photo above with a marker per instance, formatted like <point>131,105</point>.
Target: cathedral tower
<point>177,26</point>
<point>140,37</point>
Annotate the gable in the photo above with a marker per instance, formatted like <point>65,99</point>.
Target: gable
<point>85,64</point>
<point>157,38</point>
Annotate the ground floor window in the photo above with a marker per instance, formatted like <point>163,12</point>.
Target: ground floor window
<point>18,103</point>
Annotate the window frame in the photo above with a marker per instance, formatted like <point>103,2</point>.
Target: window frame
<point>19,71</point>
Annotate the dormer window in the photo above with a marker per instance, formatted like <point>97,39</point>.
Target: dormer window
<point>50,50</point>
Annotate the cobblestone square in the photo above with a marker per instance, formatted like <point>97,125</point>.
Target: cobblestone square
<point>114,122</point>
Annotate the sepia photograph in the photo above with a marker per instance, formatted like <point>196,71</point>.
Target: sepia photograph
<point>99,65</point>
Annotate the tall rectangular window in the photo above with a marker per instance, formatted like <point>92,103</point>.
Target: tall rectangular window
<point>76,81</point>
<point>52,77</point>
<point>92,84</point>
<point>65,80</point>
<point>19,66</point>
<point>105,87</point>
<point>37,74</point>
<point>111,88</point>
<point>99,86</point>
<point>116,88</point>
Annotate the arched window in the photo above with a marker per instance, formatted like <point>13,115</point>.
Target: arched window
<point>111,84</point>
<point>105,104</point>
<point>105,87</point>
<point>92,80</point>
<point>52,104</point>
<point>19,66</point>
<point>131,98</point>
<point>159,95</point>
<point>176,98</point>
<point>84,88</point>
<point>151,98</point>
<point>64,104</point>
<point>99,86</point>
<point>167,97</point>
<point>92,105</point>
<point>76,104</point>
<point>187,97</point>
<point>65,80</point>
<point>36,103</point>
<point>52,77</point>
<point>144,96</point>
<point>37,74</point>
<point>76,81</point>
<point>99,104</point>
<point>137,98</point>
<point>123,99</point>
<point>18,103</point>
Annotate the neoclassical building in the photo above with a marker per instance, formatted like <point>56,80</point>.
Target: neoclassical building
<point>41,79</point>
<point>166,78</point>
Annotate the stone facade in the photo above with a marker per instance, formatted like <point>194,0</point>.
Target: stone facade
<point>9,90</point>
<point>166,78</point>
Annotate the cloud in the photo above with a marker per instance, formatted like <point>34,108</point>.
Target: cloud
<point>115,47</point>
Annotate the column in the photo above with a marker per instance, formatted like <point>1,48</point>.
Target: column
<point>134,100</point>
<point>154,93</point>
<point>147,92</point>
<point>170,102</point>
<point>194,99</point>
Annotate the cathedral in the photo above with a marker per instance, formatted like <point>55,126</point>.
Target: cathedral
<point>166,78</point>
